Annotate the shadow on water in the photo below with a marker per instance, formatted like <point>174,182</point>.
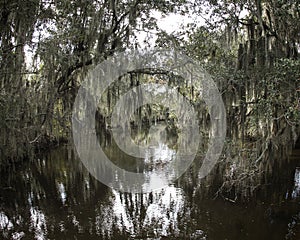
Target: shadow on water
<point>54,197</point>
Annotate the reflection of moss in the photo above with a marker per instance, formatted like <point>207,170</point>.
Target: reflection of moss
<point>116,155</point>
<point>140,136</point>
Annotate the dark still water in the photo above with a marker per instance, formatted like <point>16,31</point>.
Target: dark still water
<point>54,197</point>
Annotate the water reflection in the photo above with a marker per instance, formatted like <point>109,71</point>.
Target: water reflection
<point>161,162</point>
<point>296,191</point>
<point>138,213</point>
<point>54,197</point>
<point>38,224</point>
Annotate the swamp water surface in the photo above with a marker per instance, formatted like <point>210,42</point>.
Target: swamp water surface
<point>54,197</point>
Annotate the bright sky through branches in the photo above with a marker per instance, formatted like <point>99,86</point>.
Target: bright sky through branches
<point>172,23</point>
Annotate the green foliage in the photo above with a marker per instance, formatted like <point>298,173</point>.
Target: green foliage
<point>63,38</point>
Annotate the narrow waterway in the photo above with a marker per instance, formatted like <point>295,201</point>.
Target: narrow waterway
<point>54,197</point>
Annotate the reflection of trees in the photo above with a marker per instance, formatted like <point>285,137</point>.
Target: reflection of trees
<point>55,198</point>
<point>36,190</point>
<point>151,215</point>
